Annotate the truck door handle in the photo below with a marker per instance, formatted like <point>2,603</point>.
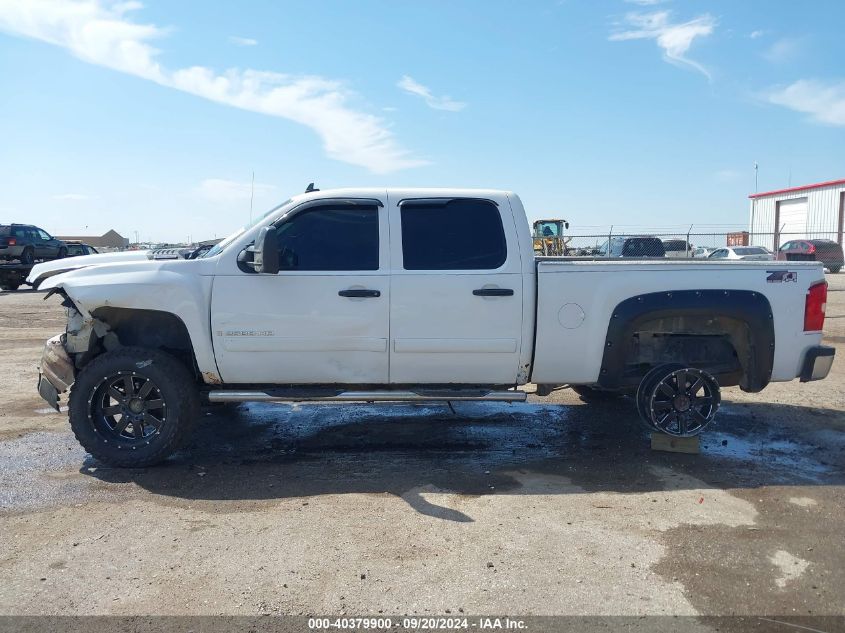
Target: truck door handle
<point>358,292</point>
<point>493,292</point>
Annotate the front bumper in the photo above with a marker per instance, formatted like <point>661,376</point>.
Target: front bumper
<point>817,363</point>
<point>55,371</point>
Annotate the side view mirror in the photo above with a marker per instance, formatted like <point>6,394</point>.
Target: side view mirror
<point>266,251</point>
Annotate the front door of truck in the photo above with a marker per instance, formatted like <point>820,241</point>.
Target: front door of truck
<point>324,317</point>
<point>456,292</point>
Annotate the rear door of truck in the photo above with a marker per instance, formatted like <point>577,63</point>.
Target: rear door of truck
<point>456,290</point>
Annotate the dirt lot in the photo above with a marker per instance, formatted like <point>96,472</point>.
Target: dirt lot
<point>553,507</point>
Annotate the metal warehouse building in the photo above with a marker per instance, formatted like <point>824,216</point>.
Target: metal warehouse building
<point>808,212</point>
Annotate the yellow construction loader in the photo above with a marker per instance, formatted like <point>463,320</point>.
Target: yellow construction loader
<point>549,238</point>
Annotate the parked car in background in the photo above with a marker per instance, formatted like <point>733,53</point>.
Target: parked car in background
<point>678,248</point>
<point>703,251</point>
<point>826,251</point>
<point>638,246</point>
<point>27,243</point>
<point>749,253</point>
<point>75,249</point>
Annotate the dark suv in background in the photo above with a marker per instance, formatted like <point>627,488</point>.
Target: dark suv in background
<point>826,251</point>
<point>28,243</point>
<point>639,246</point>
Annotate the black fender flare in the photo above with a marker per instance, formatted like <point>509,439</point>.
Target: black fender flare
<point>745,306</point>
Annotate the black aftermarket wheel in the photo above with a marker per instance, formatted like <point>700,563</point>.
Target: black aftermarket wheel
<point>645,388</point>
<point>133,407</point>
<point>677,400</point>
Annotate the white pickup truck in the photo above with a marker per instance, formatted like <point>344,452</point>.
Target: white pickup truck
<point>414,295</point>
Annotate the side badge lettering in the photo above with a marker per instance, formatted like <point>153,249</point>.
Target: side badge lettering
<point>781,276</point>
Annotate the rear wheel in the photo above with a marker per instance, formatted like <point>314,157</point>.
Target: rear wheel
<point>677,400</point>
<point>834,269</point>
<point>28,256</point>
<point>132,407</point>
<point>10,286</point>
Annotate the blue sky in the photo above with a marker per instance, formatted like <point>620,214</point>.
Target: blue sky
<point>152,117</point>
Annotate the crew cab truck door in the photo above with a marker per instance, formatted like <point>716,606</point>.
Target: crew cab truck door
<point>323,318</point>
<point>456,291</point>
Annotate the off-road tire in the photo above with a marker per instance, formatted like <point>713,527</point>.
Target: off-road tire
<point>28,256</point>
<point>178,390</point>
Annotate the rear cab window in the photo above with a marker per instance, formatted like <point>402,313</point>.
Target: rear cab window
<point>459,234</point>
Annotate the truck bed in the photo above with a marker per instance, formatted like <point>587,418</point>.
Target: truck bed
<point>573,311</point>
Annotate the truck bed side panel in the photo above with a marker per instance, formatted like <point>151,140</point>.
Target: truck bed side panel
<point>576,300</point>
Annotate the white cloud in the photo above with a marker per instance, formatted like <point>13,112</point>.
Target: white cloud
<point>221,190</point>
<point>411,86</point>
<point>645,3</point>
<point>242,41</point>
<point>101,33</point>
<point>824,102</point>
<point>756,34</point>
<point>72,196</point>
<point>674,39</point>
<point>784,50</point>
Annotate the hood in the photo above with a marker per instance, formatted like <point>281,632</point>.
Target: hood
<point>43,271</point>
<point>127,273</point>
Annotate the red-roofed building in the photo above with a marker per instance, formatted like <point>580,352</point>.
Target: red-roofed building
<point>796,213</point>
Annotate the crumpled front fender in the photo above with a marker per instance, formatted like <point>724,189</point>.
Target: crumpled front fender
<point>56,371</point>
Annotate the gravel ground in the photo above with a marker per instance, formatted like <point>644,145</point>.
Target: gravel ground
<point>550,508</point>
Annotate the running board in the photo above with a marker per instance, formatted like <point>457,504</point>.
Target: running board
<point>368,396</point>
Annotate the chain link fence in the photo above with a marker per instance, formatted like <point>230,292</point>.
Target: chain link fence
<point>699,244</point>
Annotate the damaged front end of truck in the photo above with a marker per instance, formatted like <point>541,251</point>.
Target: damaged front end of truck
<point>64,354</point>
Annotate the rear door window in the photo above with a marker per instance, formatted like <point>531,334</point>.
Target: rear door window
<point>458,234</point>
<point>330,238</point>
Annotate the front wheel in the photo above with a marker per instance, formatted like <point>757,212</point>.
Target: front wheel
<point>62,253</point>
<point>132,407</point>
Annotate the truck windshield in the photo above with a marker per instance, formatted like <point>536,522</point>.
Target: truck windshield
<point>218,248</point>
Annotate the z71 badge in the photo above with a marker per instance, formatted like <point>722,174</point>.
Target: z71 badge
<point>781,276</point>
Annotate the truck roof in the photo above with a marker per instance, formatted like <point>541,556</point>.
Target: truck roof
<point>427,192</point>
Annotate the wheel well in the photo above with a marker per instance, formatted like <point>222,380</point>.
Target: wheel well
<point>715,344</point>
<point>729,334</point>
<point>150,329</point>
